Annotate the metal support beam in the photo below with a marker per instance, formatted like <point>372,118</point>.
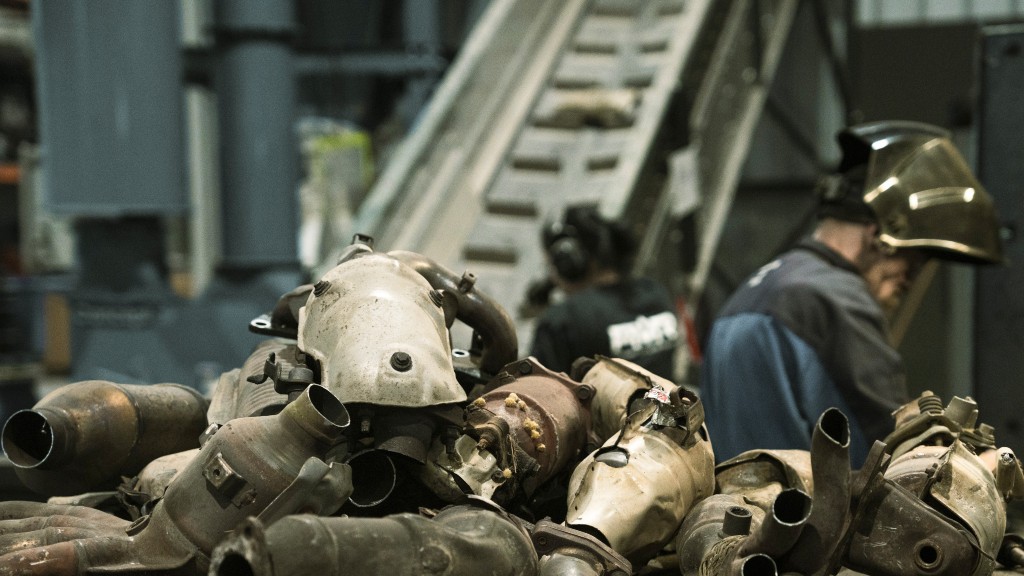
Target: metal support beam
<point>256,107</point>
<point>391,64</point>
<point>119,168</point>
<point>999,330</point>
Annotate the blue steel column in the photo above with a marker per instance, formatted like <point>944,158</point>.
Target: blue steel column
<point>112,156</point>
<point>421,29</point>
<point>999,308</point>
<point>259,158</point>
<point>110,107</point>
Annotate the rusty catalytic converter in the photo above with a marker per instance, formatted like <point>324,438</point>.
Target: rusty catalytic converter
<point>764,520</point>
<point>636,489</point>
<point>458,541</point>
<point>87,435</point>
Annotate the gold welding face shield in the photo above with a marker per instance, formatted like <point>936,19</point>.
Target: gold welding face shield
<point>921,191</point>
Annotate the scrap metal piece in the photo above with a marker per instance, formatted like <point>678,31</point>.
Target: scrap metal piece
<point>478,310</point>
<point>273,462</point>
<point>251,462</point>
<point>710,537</point>
<point>896,534</point>
<point>458,541</point>
<point>636,490</point>
<point>558,545</point>
<point>350,329</point>
<point>938,507</point>
<point>529,424</point>
<point>87,435</point>
<point>789,532</point>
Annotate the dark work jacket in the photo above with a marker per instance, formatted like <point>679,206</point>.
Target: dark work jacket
<point>801,335</point>
<point>633,319</point>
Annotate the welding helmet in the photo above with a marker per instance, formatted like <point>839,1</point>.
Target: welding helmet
<point>910,180</point>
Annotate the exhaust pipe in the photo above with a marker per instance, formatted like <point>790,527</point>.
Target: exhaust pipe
<point>264,467</point>
<point>715,539</point>
<point>373,478</point>
<point>478,310</point>
<point>710,539</point>
<point>459,541</point>
<point>261,466</point>
<point>87,435</point>
<point>830,468</point>
<point>794,534</point>
<point>781,527</point>
<point>755,565</point>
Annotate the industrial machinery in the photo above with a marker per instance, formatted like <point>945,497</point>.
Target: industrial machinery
<point>437,450</point>
<point>352,443</point>
<point>645,109</point>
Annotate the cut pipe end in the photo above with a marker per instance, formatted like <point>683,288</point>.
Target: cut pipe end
<point>29,439</point>
<point>758,565</point>
<point>836,427</point>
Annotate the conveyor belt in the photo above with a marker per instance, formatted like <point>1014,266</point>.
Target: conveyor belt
<point>553,103</point>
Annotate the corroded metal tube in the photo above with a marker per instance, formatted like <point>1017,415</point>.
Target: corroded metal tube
<point>259,463</point>
<point>265,467</point>
<point>830,466</point>
<point>769,488</point>
<point>755,565</point>
<point>715,539</point>
<point>459,541</point>
<point>373,478</point>
<point>781,527</point>
<point>478,310</point>
<point>86,435</point>
<point>711,537</point>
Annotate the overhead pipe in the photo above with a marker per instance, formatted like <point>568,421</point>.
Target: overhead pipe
<point>256,95</point>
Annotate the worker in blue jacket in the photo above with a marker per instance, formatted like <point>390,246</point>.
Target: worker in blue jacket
<point>809,330</point>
